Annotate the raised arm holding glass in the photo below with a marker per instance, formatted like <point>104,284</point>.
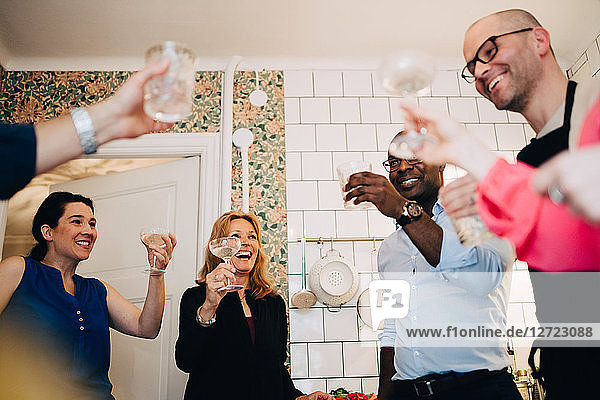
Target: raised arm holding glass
<point>64,318</point>
<point>512,64</point>
<point>233,342</point>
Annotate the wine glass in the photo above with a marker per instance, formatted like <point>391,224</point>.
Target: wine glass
<point>405,73</point>
<point>225,248</point>
<point>153,236</point>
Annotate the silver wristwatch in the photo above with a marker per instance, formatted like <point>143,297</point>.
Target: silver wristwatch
<point>85,130</point>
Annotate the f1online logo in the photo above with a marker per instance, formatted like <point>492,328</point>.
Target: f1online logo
<point>389,299</point>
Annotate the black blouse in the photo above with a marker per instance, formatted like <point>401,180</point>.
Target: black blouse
<point>221,359</point>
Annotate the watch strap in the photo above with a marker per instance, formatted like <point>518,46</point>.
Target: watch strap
<point>404,220</point>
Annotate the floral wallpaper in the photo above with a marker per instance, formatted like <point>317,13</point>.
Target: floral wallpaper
<point>30,96</point>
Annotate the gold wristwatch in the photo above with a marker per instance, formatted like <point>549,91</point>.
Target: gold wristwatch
<point>410,212</point>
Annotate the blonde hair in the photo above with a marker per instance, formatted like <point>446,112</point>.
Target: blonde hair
<point>260,282</point>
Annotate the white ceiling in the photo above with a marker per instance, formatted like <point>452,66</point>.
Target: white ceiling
<point>113,34</point>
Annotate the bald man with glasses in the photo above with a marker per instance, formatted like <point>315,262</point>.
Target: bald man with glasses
<point>512,64</point>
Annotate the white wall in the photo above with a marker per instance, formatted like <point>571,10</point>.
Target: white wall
<point>588,64</point>
<point>333,116</point>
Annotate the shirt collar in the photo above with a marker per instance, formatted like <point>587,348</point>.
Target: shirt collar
<point>437,209</point>
<point>555,122</point>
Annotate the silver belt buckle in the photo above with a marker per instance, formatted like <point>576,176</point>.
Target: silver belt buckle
<point>426,391</point>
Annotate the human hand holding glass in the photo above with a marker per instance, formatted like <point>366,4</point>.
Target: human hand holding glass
<point>345,170</point>
<point>153,236</point>
<point>225,248</point>
<point>168,97</point>
<point>454,144</point>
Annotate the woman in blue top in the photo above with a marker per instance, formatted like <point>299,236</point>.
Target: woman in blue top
<point>63,318</point>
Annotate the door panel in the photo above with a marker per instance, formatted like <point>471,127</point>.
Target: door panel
<point>165,195</point>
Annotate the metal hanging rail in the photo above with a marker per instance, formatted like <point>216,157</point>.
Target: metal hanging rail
<point>338,239</point>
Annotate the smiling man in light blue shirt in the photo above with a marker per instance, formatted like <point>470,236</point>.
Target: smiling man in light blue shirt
<point>452,287</point>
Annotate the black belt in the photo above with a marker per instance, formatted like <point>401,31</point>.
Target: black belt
<point>431,384</point>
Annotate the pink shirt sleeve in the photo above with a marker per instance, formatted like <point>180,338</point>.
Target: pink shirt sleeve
<point>548,237</point>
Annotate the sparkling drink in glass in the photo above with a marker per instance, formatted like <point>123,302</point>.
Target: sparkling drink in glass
<point>225,248</point>
<point>152,236</point>
<point>404,73</point>
<point>471,230</point>
<point>344,171</point>
<point>168,97</point>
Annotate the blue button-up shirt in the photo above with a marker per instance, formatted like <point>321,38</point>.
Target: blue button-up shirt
<point>469,286</point>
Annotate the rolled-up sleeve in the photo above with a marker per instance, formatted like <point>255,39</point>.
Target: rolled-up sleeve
<point>387,338</point>
<point>479,268</point>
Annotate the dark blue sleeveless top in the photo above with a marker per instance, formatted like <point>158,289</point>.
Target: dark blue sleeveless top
<point>74,326</point>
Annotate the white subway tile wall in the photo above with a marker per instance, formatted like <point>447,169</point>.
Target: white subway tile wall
<point>385,134</point>
<point>593,54</point>
<point>360,358</point>
<point>463,109</point>
<point>330,195</point>
<point>341,325</point>
<point>510,136</point>
<point>300,138</point>
<point>345,110</point>
<point>293,166</point>
<point>445,84</point>
<point>338,116</point>
<point>485,133</point>
<point>306,325</point>
<point>489,113</point>
<point>361,137</point>
<point>311,385</point>
<point>357,83</point>
<point>375,157</point>
<point>302,195</point>
<point>295,225</point>
<point>328,83</point>
<point>588,63</point>
<point>314,110</point>
<point>292,110</point>
<point>331,137</point>
<point>374,110</point>
<point>351,224</point>
<point>319,223</point>
<point>437,104</point>
<point>298,84</point>
<point>325,360</point>
<point>299,355</point>
<point>316,165</point>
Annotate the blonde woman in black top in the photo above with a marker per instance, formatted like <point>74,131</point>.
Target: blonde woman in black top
<point>233,343</point>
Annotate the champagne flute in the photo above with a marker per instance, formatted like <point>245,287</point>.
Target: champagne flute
<point>153,236</point>
<point>225,248</point>
<point>405,73</point>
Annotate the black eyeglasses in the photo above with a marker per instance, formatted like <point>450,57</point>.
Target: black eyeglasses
<point>485,53</point>
<point>393,164</point>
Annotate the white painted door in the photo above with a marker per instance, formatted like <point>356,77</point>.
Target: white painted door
<point>164,195</point>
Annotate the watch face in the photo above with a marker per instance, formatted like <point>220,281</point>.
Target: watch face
<point>414,209</point>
